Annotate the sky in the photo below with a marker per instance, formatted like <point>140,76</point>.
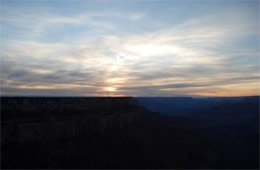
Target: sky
<point>130,48</point>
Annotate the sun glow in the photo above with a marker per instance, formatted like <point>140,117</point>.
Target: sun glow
<point>110,89</point>
<point>114,80</point>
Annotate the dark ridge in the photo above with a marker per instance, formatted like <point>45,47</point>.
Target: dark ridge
<point>96,133</point>
<point>231,123</point>
<point>123,133</point>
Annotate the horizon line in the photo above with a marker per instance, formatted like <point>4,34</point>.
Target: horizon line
<point>14,96</point>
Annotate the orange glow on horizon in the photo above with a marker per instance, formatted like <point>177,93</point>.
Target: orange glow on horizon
<point>228,93</point>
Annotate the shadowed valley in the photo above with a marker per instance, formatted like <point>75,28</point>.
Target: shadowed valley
<point>125,132</point>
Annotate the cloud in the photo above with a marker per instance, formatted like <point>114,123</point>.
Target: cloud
<point>197,56</point>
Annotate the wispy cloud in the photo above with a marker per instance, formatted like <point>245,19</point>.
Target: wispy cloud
<point>96,55</point>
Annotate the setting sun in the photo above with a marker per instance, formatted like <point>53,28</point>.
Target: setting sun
<point>128,50</point>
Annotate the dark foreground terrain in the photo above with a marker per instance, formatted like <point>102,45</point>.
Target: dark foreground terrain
<point>128,132</point>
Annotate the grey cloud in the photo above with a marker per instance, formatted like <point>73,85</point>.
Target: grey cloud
<point>18,74</point>
<point>236,80</point>
<point>44,92</point>
<point>178,71</point>
<point>157,87</point>
<point>26,75</point>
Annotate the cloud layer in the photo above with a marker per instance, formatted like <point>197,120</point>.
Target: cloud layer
<point>112,52</point>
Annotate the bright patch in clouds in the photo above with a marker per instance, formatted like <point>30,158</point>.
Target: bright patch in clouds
<point>110,89</point>
<point>159,48</point>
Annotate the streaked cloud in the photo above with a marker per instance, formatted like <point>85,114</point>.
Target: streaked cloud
<point>98,52</point>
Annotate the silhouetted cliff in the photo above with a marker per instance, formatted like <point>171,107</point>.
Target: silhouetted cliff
<point>231,124</point>
<point>97,133</point>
